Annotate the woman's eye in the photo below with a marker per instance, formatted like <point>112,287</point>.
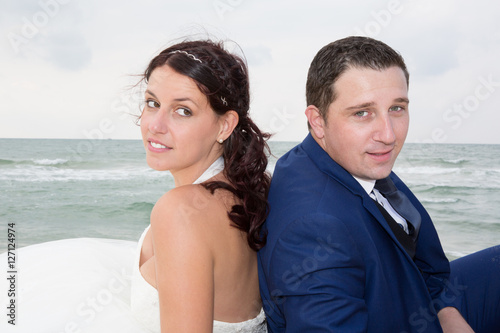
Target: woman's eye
<point>152,104</point>
<point>185,112</point>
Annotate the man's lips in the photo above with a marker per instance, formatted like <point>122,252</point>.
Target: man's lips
<point>381,155</point>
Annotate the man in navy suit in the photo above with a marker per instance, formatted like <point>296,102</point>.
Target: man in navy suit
<point>349,247</point>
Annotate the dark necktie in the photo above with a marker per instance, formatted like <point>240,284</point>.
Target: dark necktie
<point>401,204</point>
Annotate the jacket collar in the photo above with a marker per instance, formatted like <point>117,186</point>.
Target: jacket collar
<point>327,165</point>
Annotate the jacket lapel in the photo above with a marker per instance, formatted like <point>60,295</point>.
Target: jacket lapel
<point>327,165</point>
<point>372,208</point>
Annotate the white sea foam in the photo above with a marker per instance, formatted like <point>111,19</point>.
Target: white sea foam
<point>457,254</point>
<point>438,200</point>
<point>51,174</point>
<point>455,161</point>
<point>46,161</point>
<point>426,170</point>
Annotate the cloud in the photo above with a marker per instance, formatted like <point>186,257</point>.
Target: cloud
<point>258,55</point>
<point>68,50</point>
<point>448,45</point>
<point>50,30</point>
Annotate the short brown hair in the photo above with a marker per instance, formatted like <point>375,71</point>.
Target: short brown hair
<point>337,57</point>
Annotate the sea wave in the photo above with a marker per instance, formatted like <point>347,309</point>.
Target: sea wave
<point>431,186</point>
<point>457,254</point>
<point>6,162</point>
<point>426,170</point>
<point>439,200</point>
<point>140,206</point>
<point>65,163</point>
<point>51,174</point>
<point>458,161</point>
<point>444,189</point>
<point>46,161</point>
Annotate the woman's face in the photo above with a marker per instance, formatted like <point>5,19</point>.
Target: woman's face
<point>179,128</point>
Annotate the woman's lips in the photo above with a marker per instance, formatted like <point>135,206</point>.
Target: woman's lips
<point>156,146</point>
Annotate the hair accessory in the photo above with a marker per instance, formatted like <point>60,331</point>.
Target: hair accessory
<point>188,54</point>
<point>220,141</point>
<point>223,101</point>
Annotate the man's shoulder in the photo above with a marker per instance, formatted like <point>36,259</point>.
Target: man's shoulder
<point>306,194</point>
<point>296,178</point>
<point>298,164</point>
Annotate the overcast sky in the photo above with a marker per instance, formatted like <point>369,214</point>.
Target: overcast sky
<point>67,65</point>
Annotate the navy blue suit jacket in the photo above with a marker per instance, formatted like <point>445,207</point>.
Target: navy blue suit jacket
<point>332,263</point>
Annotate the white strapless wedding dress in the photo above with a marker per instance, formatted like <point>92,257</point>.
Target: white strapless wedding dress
<point>84,285</point>
<point>89,285</point>
<point>74,285</point>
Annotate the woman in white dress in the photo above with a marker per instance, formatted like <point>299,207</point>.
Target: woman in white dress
<point>197,267</point>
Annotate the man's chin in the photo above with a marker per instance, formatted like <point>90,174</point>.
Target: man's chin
<point>381,174</point>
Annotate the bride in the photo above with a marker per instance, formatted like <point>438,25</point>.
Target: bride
<point>194,268</point>
<point>198,259</point>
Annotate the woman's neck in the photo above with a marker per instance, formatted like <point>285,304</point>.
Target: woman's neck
<point>198,174</point>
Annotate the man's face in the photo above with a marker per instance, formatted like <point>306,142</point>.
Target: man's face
<point>367,123</point>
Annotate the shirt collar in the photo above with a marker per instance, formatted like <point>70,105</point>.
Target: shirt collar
<point>367,185</point>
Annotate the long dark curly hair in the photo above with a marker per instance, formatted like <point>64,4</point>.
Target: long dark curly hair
<point>223,78</point>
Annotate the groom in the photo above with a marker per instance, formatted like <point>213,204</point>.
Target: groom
<point>349,247</point>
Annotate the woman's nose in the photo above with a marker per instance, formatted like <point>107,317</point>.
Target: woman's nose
<point>158,124</point>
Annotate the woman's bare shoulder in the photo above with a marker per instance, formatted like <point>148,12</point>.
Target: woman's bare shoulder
<point>187,208</point>
<point>187,199</point>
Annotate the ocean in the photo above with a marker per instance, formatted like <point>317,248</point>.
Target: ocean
<point>55,189</point>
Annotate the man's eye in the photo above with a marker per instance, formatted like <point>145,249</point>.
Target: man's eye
<point>361,114</point>
<point>396,108</point>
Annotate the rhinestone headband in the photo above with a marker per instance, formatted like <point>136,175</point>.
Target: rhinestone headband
<point>192,56</point>
<point>188,54</point>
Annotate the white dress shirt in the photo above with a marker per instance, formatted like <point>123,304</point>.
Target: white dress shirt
<point>369,187</point>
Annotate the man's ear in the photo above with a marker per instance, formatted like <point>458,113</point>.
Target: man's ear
<point>228,123</point>
<point>316,121</point>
